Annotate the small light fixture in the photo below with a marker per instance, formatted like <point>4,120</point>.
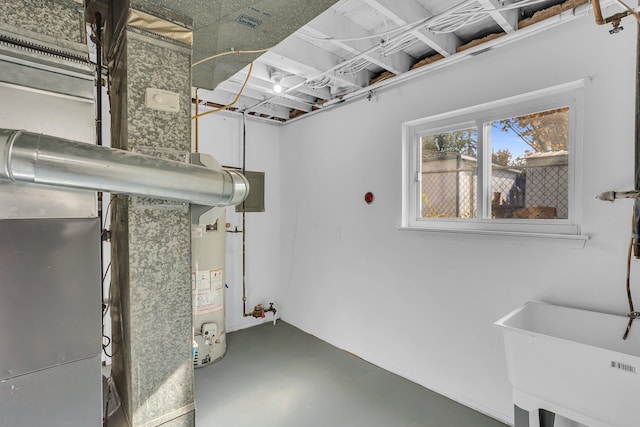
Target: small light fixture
<point>277,87</point>
<point>276,77</point>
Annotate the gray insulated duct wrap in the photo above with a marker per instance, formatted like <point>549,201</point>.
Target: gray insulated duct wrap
<point>42,159</point>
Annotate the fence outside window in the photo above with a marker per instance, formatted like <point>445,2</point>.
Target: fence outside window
<point>536,189</point>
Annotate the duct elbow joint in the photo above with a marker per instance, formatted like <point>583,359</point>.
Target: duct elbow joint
<point>233,186</point>
<point>237,187</point>
<point>7,138</point>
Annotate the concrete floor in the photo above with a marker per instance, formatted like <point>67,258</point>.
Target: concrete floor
<point>282,377</point>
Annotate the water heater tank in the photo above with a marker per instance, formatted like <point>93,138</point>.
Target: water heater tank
<point>208,245</point>
<point>208,248</point>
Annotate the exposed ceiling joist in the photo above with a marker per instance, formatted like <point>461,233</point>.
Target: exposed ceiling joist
<point>309,59</point>
<point>320,92</point>
<point>271,110</point>
<point>225,93</point>
<point>405,13</point>
<point>261,80</point>
<point>247,103</point>
<point>233,86</point>
<point>257,93</point>
<point>348,35</point>
<point>312,62</point>
<point>359,46</point>
<point>507,19</point>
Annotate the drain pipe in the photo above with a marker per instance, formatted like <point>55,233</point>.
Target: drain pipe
<point>47,160</point>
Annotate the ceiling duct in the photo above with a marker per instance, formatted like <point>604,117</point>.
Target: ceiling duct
<point>41,159</point>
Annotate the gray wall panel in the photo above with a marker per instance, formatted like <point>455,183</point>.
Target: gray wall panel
<point>64,396</point>
<point>50,305</point>
<point>39,201</point>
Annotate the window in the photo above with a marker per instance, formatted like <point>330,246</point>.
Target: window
<point>507,166</point>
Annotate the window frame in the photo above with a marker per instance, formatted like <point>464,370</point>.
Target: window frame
<point>567,95</point>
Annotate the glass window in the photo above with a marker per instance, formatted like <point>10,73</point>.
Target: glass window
<point>449,168</point>
<point>507,166</point>
<point>530,165</point>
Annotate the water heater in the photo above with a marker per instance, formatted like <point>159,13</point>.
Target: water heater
<point>208,248</point>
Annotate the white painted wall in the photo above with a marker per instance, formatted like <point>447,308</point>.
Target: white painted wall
<point>220,135</point>
<point>422,304</point>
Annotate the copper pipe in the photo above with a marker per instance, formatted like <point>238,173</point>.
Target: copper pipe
<point>244,215</point>
<point>629,297</point>
<point>615,18</point>
<point>632,314</point>
<point>629,9</point>
<point>628,281</point>
<point>635,227</point>
<point>597,12</point>
<point>244,269</point>
<point>258,310</point>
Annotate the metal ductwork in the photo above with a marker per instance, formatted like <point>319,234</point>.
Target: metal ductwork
<point>41,159</point>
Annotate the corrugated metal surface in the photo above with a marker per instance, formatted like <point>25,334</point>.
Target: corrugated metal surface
<point>69,395</point>
<point>246,25</point>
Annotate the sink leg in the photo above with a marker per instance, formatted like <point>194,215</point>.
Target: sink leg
<point>535,418</point>
<point>547,418</point>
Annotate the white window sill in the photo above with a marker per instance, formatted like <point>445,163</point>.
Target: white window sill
<point>577,241</point>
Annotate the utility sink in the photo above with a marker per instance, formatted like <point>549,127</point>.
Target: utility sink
<point>573,363</point>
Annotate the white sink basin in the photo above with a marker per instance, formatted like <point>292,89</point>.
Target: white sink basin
<point>573,363</point>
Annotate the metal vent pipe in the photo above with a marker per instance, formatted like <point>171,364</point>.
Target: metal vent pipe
<point>42,159</point>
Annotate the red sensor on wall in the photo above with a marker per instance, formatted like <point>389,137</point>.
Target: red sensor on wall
<point>369,197</point>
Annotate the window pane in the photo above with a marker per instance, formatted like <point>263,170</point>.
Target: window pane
<point>530,162</point>
<point>449,169</point>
